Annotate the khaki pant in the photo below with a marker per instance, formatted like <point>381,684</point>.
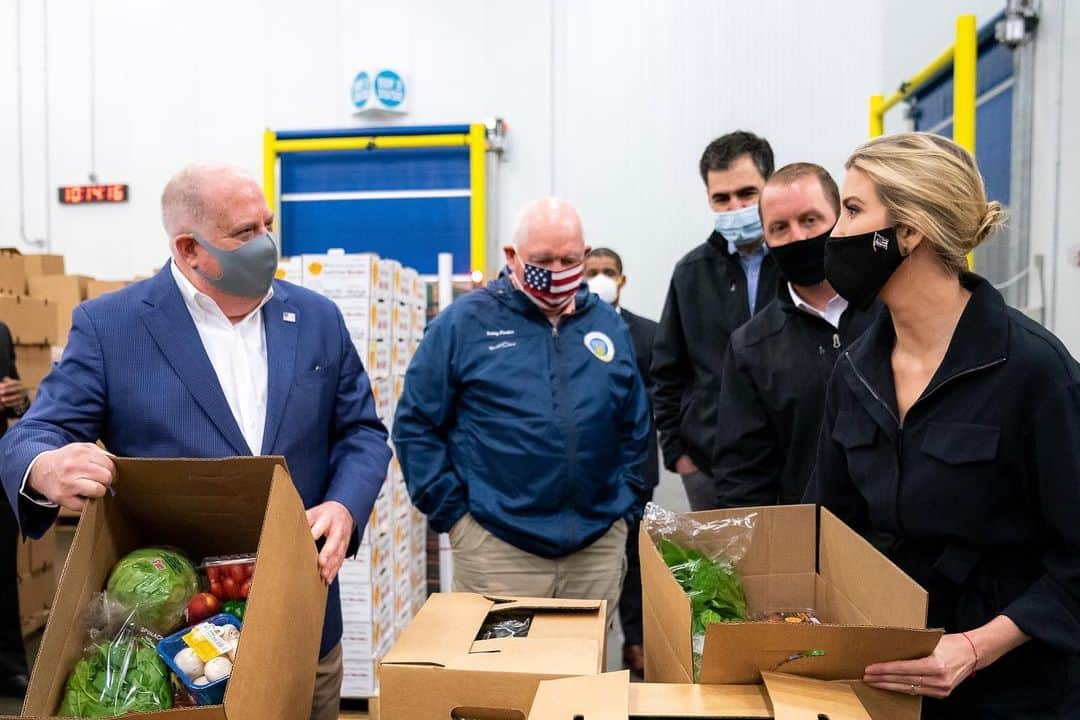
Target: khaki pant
<point>328,677</point>
<point>486,565</point>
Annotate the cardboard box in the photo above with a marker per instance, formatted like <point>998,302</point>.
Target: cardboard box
<point>382,319</point>
<point>34,556</point>
<point>400,355</point>
<point>32,321</point>
<point>373,557</point>
<point>401,322</point>
<point>16,268</point>
<point>65,292</point>
<point>339,275</point>
<point>359,680</point>
<point>368,640</point>
<point>378,360</point>
<point>389,279</point>
<point>871,611</point>
<point>290,269</point>
<point>464,677</point>
<point>408,286</point>
<point>383,391</point>
<point>612,697</point>
<point>36,592</point>
<point>97,288</point>
<point>205,507</point>
<point>33,362</point>
<point>417,322</point>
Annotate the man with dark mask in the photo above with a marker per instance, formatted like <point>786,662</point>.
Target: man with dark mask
<point>777,365</point>
<point>715,288</point>
<point>210,358</point>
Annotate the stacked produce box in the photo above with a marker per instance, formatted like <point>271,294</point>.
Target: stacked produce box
<point>385,309</point>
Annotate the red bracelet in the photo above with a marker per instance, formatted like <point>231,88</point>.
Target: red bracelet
<point>974,651</point>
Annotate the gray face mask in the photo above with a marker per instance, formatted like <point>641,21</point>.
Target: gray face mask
<point>245,271</point>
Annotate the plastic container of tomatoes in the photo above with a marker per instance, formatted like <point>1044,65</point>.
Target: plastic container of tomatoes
<point>228,577</point>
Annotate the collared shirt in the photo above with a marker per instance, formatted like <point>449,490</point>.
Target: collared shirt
<point>834,309</point>
<point>751,265</point>
<point>237,353</point>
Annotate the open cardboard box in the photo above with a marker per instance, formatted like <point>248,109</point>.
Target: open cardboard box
<point>613,697</point>
<point>437,670</point>
<point>871,611</point>
<point>204,507</point>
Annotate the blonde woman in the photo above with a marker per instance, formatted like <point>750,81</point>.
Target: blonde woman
<point>951,438</point>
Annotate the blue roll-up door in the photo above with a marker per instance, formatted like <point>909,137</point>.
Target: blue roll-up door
<point>405,204</point>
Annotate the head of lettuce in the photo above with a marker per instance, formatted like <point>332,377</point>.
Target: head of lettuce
<point>156,583</point>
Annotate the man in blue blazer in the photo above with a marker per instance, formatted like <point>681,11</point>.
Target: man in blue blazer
<point>210,358</point>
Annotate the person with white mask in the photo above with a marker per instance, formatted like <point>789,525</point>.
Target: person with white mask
<point>604,274</point>
<point>715,288</point>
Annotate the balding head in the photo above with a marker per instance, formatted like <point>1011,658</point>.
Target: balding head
<point>196,194</point>
<point>550,221</point>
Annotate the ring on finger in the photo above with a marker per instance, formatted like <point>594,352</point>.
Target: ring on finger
<point>914,689</point>
<point>918,683</point>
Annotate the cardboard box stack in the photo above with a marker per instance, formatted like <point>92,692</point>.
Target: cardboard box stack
<point>36,578</point>
<point>32,318</point>
<point>384,306</point>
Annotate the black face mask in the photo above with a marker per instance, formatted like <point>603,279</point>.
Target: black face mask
<point>802,262</point>
<point>858,266</point>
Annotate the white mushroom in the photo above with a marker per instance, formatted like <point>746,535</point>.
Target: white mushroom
<point>189,663</point>
<point>218,668</point>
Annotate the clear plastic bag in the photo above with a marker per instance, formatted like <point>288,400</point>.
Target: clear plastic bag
<point>505,625</point>
<point>121,671</point>
<point>703,558</point>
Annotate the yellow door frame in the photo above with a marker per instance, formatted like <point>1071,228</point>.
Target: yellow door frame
<point>963,55</point>
<point>475,139</point>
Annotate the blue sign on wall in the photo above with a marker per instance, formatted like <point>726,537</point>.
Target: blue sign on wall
<point>389,89</point>
<point>361,90</point>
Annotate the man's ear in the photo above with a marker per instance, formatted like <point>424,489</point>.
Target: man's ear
<point>509,253</point>
<point>185,246</point>
<point>622,281</point>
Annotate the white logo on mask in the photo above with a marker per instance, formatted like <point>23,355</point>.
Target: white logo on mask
<point>880,241</point>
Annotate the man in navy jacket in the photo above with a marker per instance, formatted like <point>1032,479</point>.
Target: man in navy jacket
<point>524,422</point>
<point>210,358</point>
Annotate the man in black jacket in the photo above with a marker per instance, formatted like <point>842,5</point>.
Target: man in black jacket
<point>14,401</point>
<point>604,273</point>
<point>714,289</point>
<point>777,365</point>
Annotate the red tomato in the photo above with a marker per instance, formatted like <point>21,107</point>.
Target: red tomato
<point>236,572</point>
<point>214,573</point>
<point>229,586</point>
<point>245,589</point>
<point>216,590</point>
<point>249,569</point>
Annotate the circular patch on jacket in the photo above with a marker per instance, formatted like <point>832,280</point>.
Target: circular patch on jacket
<point>600,345</point>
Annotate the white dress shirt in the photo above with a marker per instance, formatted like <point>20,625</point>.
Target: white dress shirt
<point>238,356</point>
<point>834,309</point>
<point>237,353</point>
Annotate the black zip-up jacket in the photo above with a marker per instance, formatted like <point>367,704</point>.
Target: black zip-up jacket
<point>773,397</point>
<point>976,495</point>
<point>706,302</point>
<point>643,335</point>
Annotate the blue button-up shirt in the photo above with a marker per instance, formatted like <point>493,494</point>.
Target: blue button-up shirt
<point>751,265</point>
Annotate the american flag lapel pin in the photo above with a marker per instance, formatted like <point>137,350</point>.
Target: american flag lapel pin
<point>288,317</point>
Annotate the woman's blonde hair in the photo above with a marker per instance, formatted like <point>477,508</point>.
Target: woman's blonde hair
<point>932,185</point>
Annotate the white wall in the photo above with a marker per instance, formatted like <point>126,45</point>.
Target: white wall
<point>611,111</point>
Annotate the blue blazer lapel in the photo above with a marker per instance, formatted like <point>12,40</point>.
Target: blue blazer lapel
<point>172,328</point>
<point>280,319</point>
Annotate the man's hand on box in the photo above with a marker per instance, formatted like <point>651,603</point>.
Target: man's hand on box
<point>332,521</point>
<point>70,475</point>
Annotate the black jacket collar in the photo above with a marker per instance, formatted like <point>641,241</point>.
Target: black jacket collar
<point>981,340</point>
<point>719,243</point>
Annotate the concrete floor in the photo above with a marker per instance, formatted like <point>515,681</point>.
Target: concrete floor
<point>669,494</point>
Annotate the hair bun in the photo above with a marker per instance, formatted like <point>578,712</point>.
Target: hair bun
<point>993,218</point>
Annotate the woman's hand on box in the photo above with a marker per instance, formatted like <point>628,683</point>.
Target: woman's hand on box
<point>70,475</point>
<point>332,521</point>
<point>956,657</point>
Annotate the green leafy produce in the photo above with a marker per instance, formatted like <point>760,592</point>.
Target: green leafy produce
<point>158,582</point>
<point>119,677</point>
<point>714,588</point>
<point>235,608</point>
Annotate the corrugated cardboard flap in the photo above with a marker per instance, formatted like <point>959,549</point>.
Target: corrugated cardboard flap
<point>513,604</point>
<point>868,579</point>
<point>704,701</point>
<point>533,656</point>
<point>799,698</point>
<point>738,653</point>
<point>444,628</point>
<point>596,697</point>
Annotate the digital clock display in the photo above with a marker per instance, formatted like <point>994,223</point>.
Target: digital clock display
<point>83,194</point>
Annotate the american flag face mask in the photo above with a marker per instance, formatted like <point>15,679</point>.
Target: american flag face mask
<point>552,290</point>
